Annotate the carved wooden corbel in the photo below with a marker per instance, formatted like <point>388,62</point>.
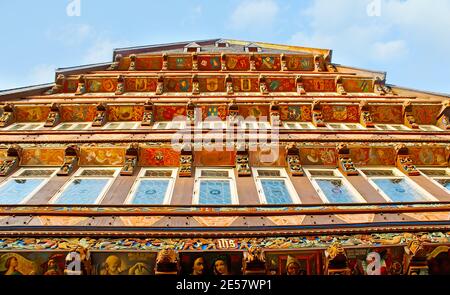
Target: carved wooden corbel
<point>12,160</point>
<point>275,114</point>
<point>300,86</point>
<point>195,85</point>
<point>254,262</point>
<point>283,62</point>
<point>147,119</point>
<point>58,87</point>
<point>160,85</point>
<point>120,85</point>
<point>408,117</point>
<point>380,87</point>
<point>167,262</point>
<point>131,159</point>
<point>81,88</point>
<point>186,161</point>
<point>317,117</point>
<point>318,63</point>
<point>233,110</point>
<point>340,89</point>
<point>263,85</point>
<point>71,157</point>
<point>443,118</point>
<point>331,67</point>
<point>54,117</point>
<point>194,61</point>
<point>404,162</point>
<point>100,117</point>
<point>223,62</point>
<point>165,61</point>
<point>252,62</point>
<point>115,64</point>
<point>293,160</point>
<point>8,116</point>
<point>242,161</point>
<point>345,163</point>
<point>336,260</point>
<point>190,111</point>
<point>132,66</point>
<point>229,84</point>
<point>365,118</point>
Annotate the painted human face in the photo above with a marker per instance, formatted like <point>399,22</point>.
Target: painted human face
<point>14,262</point>
<point>221,267</point>
<point>199,266</point>
<point>293,269</point>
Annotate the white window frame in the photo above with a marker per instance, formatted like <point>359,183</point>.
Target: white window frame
<point>136,124</point>
<point>283,176</point>
<point>253,125</point>
<point>337,175</point>
<point>72,127</point>
<point>209,124</point>
<point>344,126</point>
<point>397,174</point>
<point>431,128</point>
<point>170,125</point>
<point>21,170</point>
<point>141,177</point>
<point>298,125</point>
<point>25,128</point>
<point>434,178</point>
<point>390,127</point>
<point>199,178</point>
<point>77,175</point>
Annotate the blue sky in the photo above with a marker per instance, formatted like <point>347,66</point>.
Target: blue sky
<point>410,39</point>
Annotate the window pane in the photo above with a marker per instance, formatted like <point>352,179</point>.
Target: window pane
<point>445,182</point>
<point>399,190</point>
<point>82,191</point>
<point>112,125</point>
<point>80,126</point>
<point>64,126</point>
<point>15,190</point>
<point>17,127</point>
<point>128,125</point>
<point>151,192</point>
<point>215,192</point>
<point>276,191</point>
<point>336,191</point>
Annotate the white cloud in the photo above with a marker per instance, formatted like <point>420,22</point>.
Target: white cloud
<point>390,50</point>
<point>71,34</point>
<point>254,13</point>
<point>102,50</point>
<point>407,34</point>
<point>42,73</point>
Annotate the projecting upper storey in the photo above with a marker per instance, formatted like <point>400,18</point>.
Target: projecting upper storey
<point>219,67</point>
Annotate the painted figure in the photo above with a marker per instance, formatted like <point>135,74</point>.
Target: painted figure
<point>220,267</point>
<point>198,267</point>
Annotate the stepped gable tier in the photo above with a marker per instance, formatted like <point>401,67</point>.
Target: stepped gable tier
<point>273,158</point>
